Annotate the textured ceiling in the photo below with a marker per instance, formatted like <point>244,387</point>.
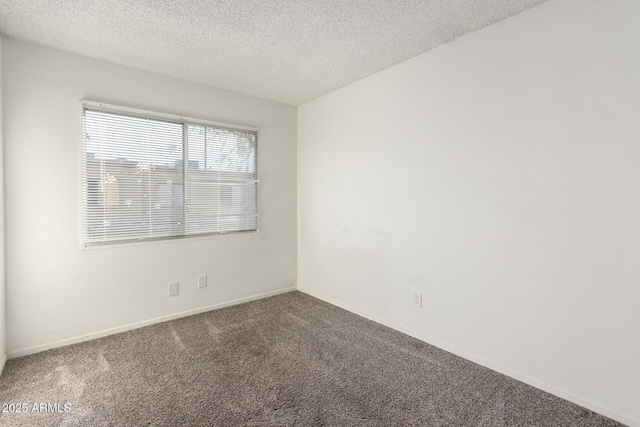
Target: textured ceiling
<point>284,50</point>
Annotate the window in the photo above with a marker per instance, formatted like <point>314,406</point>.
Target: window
<point>150,175</point>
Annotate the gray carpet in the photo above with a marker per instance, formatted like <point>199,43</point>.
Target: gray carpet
<point>289,360</point>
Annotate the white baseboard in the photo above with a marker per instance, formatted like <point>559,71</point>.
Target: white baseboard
<point>3,360</point>
<point>479,360</point>
<point>38,348</point>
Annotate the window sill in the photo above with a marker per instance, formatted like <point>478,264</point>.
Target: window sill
<point>165,240</point>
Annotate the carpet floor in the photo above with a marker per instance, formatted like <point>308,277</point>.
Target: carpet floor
<point>288,360</point>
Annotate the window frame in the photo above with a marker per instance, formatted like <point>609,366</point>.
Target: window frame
<point>164,117</point>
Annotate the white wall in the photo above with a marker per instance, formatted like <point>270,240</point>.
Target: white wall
<point>55,290</point>
<point>3,348</point>
<point>497,175</point>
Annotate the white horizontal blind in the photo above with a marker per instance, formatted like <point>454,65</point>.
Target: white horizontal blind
<point>221,180</point>
<point>136,167</point>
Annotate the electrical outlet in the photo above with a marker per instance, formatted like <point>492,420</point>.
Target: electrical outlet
<point>202,281</point>
<point>173,289</point>
<point>417,300</point>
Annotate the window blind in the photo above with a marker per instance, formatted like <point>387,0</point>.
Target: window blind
<point>147,176</point>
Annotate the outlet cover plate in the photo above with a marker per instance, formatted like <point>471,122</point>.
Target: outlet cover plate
<point>173,288</point>
<point>202,281</point>
<point>417,300</point>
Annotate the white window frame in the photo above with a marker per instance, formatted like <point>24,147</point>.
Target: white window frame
<point>180,119</point>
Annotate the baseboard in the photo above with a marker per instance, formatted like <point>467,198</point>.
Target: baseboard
<point>38,348</point>
<point>479,360</point>
<point>3,360</point>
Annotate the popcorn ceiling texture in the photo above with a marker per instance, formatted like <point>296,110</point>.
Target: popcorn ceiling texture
<point>290,51</point>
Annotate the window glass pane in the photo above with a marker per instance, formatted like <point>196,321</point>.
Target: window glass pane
<point>133,170</point>
<point>222,180</point>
